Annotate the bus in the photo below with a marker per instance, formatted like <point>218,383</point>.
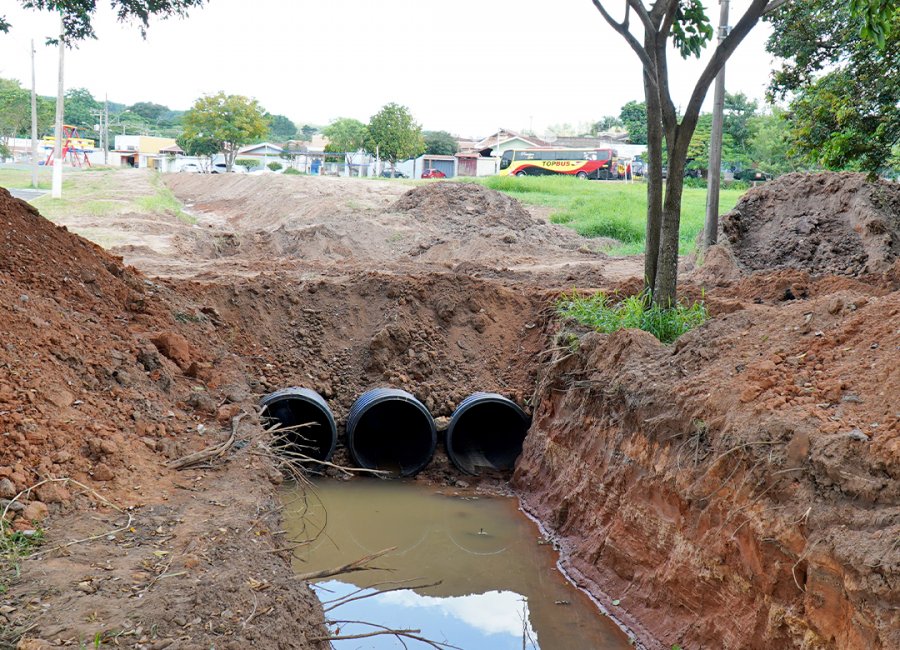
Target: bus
<point>581,163</point>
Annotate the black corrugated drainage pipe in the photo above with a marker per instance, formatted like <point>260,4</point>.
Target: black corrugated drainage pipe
<point>486,432</point>
<point>305,423</point>
<point>389,429</point>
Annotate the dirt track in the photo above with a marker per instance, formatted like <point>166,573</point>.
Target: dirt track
<point>339,285</point>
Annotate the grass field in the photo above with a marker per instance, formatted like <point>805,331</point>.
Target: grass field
<point>608,209</point>
<point>21,179</point>
<point>99,192</point>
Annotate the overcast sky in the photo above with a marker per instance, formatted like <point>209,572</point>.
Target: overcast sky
<point>465,66</point>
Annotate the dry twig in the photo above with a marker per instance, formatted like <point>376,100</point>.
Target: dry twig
<point>214,451</point>
<point>362,564</point>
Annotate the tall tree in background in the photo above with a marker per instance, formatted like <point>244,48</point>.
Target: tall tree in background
<point>633,117</point>
<point>440,143</point>
<point>77,14</point>
<point>394,134</point>
<point>229,120</point>
<point>606,123</point>
<point>281,128</point>
<point>153,113</point>
<point>81,108</point>
<point>848,117</point>
<point>345,135</point>
<point>15,110</point>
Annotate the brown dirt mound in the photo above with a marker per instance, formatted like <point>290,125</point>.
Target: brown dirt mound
<point>104,377</point>
<point>742,487</point>
<point>826,223</point>
<point>466,203</point>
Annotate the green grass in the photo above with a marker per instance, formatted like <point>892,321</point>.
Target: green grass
<point>21,178</point>
<point>608,209</point>
<point>15,547</point>
<point>609,314</point>
<point>97,194</point>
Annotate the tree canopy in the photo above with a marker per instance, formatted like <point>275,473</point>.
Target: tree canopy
<point>80,108</point>
<point>345,135</point>
<point>633,117</point>
<point>440,143</point>
<point>15,111</point>
<point>78,14</point>
<point>394,134</point>
<point>281,128</point>
<point>150,111</point>
<point>841,68</point>
<point>229,120</point>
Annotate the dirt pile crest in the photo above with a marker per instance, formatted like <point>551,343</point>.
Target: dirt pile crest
<point>827,223</point>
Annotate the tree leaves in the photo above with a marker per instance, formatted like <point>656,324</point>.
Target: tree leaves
<point>77,14</point>
<point>691,30</point>
<point>230,120</point>
<point>394,133</point>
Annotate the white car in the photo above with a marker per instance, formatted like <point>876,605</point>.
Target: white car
<point>190,168</point>
<point>222,168</point>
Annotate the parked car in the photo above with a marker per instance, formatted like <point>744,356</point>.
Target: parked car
<point>190,168</point>
<point>753,175</point>
<point>637,166</point>
<point>433,173</point>
<point>397,174</point>
<point>221,168</point>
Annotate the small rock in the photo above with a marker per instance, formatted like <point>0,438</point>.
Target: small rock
<point>36,511</point>
<point>11,506</point>
<point>102,472</point>
<point>175,347</point>
<point>53,493</point>
<point>7,489</point>
<point>857,434</point>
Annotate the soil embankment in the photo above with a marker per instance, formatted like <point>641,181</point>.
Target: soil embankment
<point>101,387</point>
<point>739,489</point>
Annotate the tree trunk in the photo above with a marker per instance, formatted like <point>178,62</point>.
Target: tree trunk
<point>653,172</point>
<point>664,291</point>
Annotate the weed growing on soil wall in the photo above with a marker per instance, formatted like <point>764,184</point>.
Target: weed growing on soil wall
<point>604,314</point>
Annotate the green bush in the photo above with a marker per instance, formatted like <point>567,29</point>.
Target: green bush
<point>246,163</point>
<point>605,314</point>
<point>275,166</point>
<point>290,171</point>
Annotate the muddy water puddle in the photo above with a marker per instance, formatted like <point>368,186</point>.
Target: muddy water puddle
<point>499,586</point>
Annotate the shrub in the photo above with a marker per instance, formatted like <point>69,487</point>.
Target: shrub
<point>290,171</point>
<point>605,314</point>
<point>246,163</point>
<point>275,166</point>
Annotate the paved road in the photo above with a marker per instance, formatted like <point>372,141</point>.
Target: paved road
<point>28,195</point>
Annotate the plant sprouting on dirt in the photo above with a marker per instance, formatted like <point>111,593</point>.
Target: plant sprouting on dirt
<point>607,314</point>
<point>15,546</point>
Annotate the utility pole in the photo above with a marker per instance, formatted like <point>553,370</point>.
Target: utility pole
<point>56,193</point>
<point>34,146</point>
<point>106,129</point>
<point>711,231</point>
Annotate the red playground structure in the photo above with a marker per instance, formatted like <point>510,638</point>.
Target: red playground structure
<point>75,148</point>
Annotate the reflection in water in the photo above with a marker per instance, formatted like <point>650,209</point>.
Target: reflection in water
<point>497,620</point>
<point>499,583</point>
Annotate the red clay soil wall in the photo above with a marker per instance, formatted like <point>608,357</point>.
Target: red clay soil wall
<point>739,488</point>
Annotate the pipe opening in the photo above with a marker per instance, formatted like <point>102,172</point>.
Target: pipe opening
<point>486,432</point>
<point>392,434</point>
<point>305,423</point>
